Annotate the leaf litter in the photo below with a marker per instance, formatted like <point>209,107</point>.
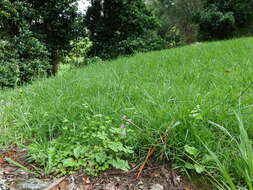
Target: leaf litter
<point>153,177</point>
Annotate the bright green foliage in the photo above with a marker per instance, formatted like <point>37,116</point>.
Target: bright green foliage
<point>224,19</point>
<point>77,54</point>
<point>94,144</point>
<point>121,27</point>
<point>9,71</point>
<point>181,91</point>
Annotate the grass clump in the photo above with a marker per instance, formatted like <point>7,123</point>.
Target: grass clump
<point>138,99</point>
<point>243,162</point>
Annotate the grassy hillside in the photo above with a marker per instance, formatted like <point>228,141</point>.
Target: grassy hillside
<point>187,93</point>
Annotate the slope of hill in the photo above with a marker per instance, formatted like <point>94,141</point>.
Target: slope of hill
<point>182,101</point>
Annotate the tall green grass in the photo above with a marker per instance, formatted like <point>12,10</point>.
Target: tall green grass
<point>186,87</point>
<point>243,162</point>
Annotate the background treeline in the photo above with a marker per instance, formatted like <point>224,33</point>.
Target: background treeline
<point>35,36</point>
<point>187,21</point>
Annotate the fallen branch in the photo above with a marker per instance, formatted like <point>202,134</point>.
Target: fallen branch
<point>150,152</point>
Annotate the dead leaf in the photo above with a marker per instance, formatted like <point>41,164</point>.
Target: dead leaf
<point>86,180</point>
<point>155,173</point>
<point>110,186</point>
<point>84,187</point>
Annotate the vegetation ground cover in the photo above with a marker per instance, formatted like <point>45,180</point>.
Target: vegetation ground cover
<point>110,112</point>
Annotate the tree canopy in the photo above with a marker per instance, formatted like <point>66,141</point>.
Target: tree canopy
<point>120,27</point>
<point>54,23</point>
<point>225,19</point>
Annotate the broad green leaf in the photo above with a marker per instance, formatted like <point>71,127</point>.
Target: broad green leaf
<point>120,164</point>
<point>189,166</point>
<point>69,162</point>
<point>207,158</point>
<point>199,168</point>
<point>100,157</point>
<point>77,152</point>
<point>191,150</point>
<point>116,146</point>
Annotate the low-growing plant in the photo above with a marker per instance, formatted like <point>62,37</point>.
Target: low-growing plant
<point>94,146</point>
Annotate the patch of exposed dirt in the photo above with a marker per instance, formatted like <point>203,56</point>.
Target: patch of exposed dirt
<point>152,178</point>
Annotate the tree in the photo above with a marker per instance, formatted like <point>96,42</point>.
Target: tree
<point>120,27</point>
<point>53,22</point>
<point>176,17</point>
<point>225,19</point>
<point>57,23</point>
<point>22,56</point>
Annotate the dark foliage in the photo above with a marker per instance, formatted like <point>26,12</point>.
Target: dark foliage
<point>33,35</point>
<point>22,56</point>
<point>225,19</point>
<point>121,27</point>
<point>58,22</point>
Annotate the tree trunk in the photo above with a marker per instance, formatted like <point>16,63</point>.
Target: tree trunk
<point>55,62</point>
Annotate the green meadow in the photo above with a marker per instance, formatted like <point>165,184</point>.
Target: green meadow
<point>110,113</point>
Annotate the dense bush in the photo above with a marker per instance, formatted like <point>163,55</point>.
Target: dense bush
<point>22,59</point>
<point>214,24</point>
<point>9,71</point>
<point>140,44</point>
<point>128,46</point>
<point>225,19</point>
<point>37,32</point>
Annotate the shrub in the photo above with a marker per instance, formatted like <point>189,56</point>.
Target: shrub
<point>140,44</point>
<point>22,59</point>
<point>77,55</point>
<point>129,46</point>
<point>225,19</point>
<point>9,70</point>
<point>215,24</point>
<point>93,60</point>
